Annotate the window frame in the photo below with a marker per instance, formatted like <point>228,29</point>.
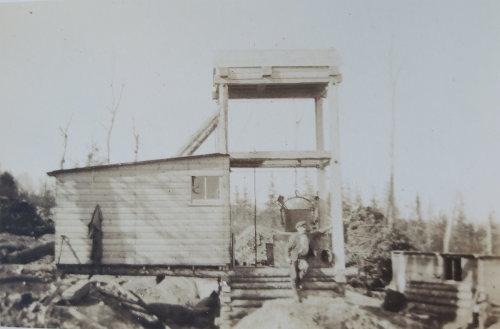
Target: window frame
<point>205,201</point>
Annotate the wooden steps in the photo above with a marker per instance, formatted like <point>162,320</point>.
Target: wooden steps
<point>246,289</point>
<point>445,300</point>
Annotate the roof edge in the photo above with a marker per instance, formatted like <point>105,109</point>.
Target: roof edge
<point>82,169</point>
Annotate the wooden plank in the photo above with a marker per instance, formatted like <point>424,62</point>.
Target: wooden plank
<point>130,204</point>
<point>274,88</point>
<point>155,247</point>
<point>320,138</point>
<point>143,211</point>
<point>281,155</point>
<point>61,219</point>
<point>317,72</point>
<point>133,254</point>
<point>321,172</point>
<point>145,229</point>
<point>118,242</point>
<point>181,254</point>
<point>168,261</point>
<point>336,181</point>
<point>124,186</point>
<point>148,261</point>
<point>131,179</point>
<point>257,73</point>
<point>277,58</point>
<point>138,173</point>
<point>197,139</point>
<point>222,142</point>
<point>212,161</point>
<point>82,248</point>
<point>123,198</point>
<point>201,168</point>
<point>223,221</point>
<point>71,191</point>
<point>160,236</point>
<point>237,163</point>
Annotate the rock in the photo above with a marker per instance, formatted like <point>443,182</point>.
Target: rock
<point>27,298</point>
<point>172,290</point>
<point>205,287</point>
<point>394,301</point>
<point>77,291</point>
<point>69,318</point>
<point>13,299</point>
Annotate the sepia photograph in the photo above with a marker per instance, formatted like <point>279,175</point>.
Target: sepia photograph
<point>216,164</point>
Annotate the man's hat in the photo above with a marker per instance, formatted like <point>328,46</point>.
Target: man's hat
<point>300,224</point>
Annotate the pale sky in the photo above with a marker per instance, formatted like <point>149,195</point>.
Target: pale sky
<point>57,60</point>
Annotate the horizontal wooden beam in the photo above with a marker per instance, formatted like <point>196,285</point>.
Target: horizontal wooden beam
<point>284,159</point>
<point>143,269</point>
<point>278,163</point>
<point>281,155</point>
<point>260,91</point>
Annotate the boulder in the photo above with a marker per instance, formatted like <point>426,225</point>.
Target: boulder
<point>77,291</point>
<point>172,290</point>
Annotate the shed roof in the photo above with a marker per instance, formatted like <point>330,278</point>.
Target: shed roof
<point>191,157</point>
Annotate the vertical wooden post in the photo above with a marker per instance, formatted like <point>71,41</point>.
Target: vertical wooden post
<point>320,136</point>
<point>335,181</point>
<point>222,126</point>
<point>321,172</point>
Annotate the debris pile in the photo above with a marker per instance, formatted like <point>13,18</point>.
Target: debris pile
<point>244,245</point>
<point>35,297</point>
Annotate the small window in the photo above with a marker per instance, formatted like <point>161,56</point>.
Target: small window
<point>205,188</point>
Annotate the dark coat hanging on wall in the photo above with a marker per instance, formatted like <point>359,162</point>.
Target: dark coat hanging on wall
<point>95,233</point>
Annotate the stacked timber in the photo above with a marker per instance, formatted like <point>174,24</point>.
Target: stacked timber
<point>246,289</point>
<point>447,300</point>
<point>322,282</point>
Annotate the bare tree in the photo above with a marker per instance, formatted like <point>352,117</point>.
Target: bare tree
<point>64,133</point>
<point>489,235</point>
<point>112,110</point>
<point>430,216</point>
<point>93,157</point>
<point>136,137</point>
<point>391,207</point>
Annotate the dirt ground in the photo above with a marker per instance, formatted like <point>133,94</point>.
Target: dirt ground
<point>353,312</point>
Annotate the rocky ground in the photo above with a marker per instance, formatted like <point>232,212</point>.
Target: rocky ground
<point>33,295</point>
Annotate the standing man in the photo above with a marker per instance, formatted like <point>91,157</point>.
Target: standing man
<point>296,252</point>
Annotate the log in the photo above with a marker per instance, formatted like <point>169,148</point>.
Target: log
<point>31,254</point>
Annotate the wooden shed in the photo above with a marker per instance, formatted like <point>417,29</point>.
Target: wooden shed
<point>173,211</point>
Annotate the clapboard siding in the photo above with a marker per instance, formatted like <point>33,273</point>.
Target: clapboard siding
<point>147,229</point>
<point>64,218</point>
<point>128,191</point>
<point>122,198</point>
<point>149,236</point>
<point>148,214</point>
<point>122,242</point>
<point>200,211</point>
<point>155,222</point>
